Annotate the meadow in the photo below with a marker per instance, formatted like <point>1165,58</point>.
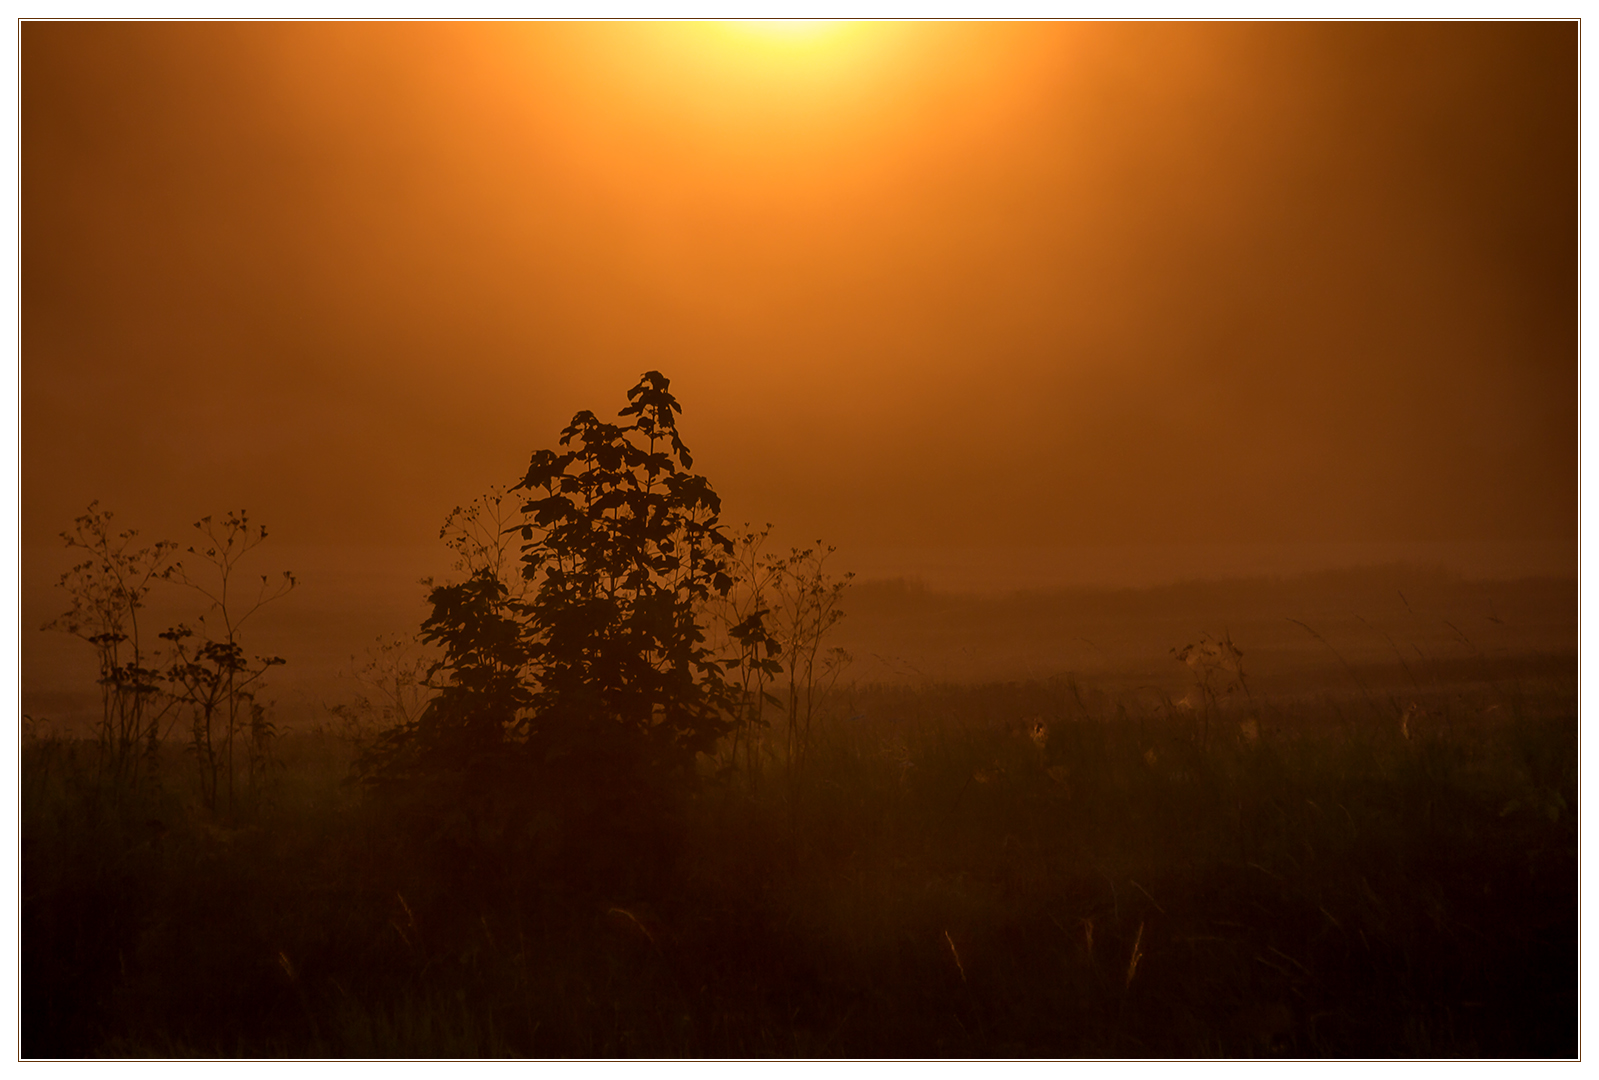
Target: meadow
<point>1061,867</point>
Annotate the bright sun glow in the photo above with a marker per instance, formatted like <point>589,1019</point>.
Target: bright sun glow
<point>788,29</point>
<point>791,36</point>
<point>808,60</point>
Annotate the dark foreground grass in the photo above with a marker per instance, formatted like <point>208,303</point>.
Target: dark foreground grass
<point>934,882</point>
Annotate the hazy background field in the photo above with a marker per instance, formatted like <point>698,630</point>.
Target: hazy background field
<point>959,616</point>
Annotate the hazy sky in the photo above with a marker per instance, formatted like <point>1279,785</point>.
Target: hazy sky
<point>916,285</point>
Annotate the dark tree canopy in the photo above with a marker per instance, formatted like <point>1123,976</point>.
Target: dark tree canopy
<point>594,686</point>
<point>623,544</point>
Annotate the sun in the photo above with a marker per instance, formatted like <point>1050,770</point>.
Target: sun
<point>788,29</point>
<point>739,65</point>
<point>791,36</point>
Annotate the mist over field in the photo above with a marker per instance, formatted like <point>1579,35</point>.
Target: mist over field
<point>904,630</point>
<point>1164,639</point>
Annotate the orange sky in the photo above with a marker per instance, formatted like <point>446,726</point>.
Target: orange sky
<point>917,286</point>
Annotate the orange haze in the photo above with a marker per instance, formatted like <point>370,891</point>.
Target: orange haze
<point>938,294</point>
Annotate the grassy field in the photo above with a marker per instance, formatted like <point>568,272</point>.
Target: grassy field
<point>1037,868</point>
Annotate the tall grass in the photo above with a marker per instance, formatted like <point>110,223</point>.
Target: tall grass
<point>1040,868</point>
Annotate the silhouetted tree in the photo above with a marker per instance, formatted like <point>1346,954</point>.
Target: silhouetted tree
<point>624,547</point>
<point>571,705</point>
<point>479,689</point>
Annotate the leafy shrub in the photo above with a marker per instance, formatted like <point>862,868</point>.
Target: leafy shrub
<point>625,547</point>
<point>569,713</point>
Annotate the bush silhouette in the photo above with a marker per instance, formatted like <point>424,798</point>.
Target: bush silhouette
<point>568,724</point>
<point>625,548</point>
